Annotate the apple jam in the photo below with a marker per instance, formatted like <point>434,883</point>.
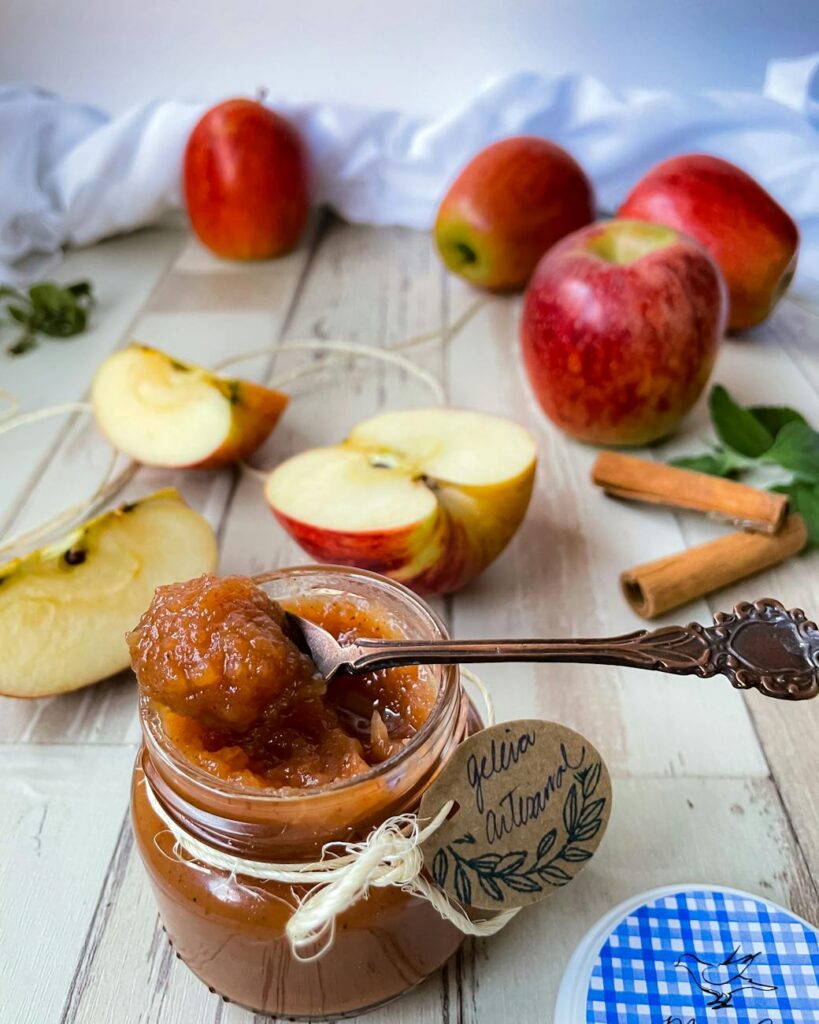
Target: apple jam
<point>239,699</point>
<point>250,751</point>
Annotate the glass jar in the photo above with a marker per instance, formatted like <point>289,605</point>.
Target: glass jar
<point>230,930</point>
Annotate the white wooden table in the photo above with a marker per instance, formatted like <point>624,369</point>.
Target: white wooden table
<point>709,785</point>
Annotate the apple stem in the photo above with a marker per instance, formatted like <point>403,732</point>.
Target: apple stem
<point>261,93</point>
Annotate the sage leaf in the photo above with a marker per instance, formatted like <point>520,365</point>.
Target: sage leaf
<point>721,462</point>
<point>804,499</point>
<point>774,417</point>
<point>737,427</point>
<point>796,448</point>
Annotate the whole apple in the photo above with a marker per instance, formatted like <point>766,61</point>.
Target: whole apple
<point>510,204</point>
<point>246,181</point>
<point>621,324</point>
<point>751,237</point>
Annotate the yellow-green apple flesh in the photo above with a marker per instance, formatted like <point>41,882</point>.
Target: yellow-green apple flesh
<point>754,241</point>
<point>620,328</point>
<point>164,412</point>
<point>65,609</point>
<point>510,204</point>
<point>427,496</point>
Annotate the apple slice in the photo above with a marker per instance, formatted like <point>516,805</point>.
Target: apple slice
<point>164,412</point>
<point>427,496</point>
<point>65,609</point>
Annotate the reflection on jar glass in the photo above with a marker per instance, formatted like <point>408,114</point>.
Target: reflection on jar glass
<point>230,931</point>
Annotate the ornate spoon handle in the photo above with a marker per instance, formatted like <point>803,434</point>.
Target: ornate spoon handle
<point>760,645</point>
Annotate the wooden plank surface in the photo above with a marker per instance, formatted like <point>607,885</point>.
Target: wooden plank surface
<point>709,786</point>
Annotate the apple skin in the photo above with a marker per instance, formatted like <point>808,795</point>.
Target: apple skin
<point>751,237</point>
<point>255,412</point>
<point>617,353</point>
<point>469,529</point>
<point>246,181</point>
<point>510,204</point>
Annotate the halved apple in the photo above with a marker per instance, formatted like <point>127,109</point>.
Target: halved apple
<point>427,496</point>
<point>65,609</point>
<point>164,412</point>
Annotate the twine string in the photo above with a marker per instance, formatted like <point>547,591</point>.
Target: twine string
<point>110,484</point>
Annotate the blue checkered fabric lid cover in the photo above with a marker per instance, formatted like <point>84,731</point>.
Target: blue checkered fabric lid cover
<point>710,957</point>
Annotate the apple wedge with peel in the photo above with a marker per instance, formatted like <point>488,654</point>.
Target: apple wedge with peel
<point>163,412</point>
<point>427,496</point>
<point>65,609</point>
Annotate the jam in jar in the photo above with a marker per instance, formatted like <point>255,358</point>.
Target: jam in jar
<point>247,749</point>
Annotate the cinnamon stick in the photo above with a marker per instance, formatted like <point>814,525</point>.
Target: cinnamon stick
<point>657,587</point>
<point>626,476</point>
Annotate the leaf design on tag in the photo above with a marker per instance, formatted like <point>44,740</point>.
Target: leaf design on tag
<point>582,820</point>
<point>491,887</point>
<point>510,863</point>
<point>463,887</point>
<point>554,874</point>
<point>576,854</point>
<point>570,810</point>
<point>590,778</point>
<point>532,801</point>
<point>440,867</point>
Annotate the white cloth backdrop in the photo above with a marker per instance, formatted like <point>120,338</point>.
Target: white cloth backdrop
<point>69,174</point>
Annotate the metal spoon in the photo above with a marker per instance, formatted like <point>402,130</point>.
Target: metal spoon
<point>758,646</point>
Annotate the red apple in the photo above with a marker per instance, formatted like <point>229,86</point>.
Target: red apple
<point>246,181</point>
<point>510,204</point>
<point>427,496</point>
<point>751,237</point>
<point>620,328</point>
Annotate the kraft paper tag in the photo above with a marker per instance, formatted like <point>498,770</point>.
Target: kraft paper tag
<point>533,801</point>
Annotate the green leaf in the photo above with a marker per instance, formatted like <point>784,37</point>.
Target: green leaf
<point>721,462</point>
<point>736,427</point>
<point>80,289</point>
<point>804,499</point>
<point>774,417</point>
<point>49,296</point>
<point>22,316</point>
<point>797,448</point>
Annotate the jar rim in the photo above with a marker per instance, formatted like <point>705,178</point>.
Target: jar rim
<point>450,687</point>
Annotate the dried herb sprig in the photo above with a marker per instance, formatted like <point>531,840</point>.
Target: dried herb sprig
<point>48,309</point>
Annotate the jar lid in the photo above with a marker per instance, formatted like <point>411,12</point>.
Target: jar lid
<point>677,954</point>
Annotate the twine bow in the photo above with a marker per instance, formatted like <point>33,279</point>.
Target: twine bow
<point>389,856</point>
